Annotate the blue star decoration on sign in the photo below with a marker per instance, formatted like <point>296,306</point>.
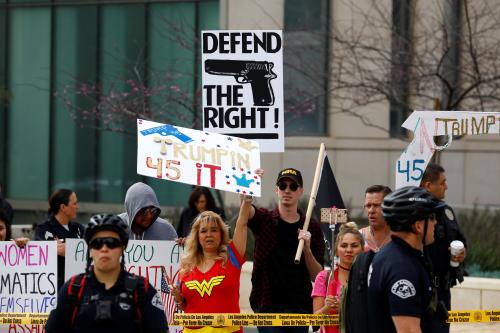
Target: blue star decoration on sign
<point>242,181</point>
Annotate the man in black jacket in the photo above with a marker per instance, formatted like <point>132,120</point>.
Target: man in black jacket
<point>446,231</point>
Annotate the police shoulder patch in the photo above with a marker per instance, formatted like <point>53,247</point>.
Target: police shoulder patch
<point>156,301</point>
<point>449,214</point>
<point>403,289</point>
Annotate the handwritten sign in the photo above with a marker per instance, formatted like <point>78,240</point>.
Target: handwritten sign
<point>155,260</point>
<point>425,125</point>
<point>28,280</point>
<point>198,158</point>
<point>243,85</point>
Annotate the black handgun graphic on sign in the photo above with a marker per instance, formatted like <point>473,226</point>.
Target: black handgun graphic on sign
<point>258,73</point>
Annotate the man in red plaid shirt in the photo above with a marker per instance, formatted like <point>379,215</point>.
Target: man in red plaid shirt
<point>278,284</point>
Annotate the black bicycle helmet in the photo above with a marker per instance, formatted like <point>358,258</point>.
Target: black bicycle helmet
<point>409,204</point>
<point>109,222</point>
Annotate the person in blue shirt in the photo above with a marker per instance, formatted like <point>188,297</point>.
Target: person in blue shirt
<point>399,285</point>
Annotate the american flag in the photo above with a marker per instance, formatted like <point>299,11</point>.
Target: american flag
<point>166,296</point>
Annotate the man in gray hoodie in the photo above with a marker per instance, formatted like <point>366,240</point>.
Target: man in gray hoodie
<point>142,215</point>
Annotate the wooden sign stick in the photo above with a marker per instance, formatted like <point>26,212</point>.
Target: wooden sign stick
<point>312,199</point>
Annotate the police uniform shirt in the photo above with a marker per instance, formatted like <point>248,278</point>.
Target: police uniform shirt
<point>399,285</point>
<point>52,230</point>
<point>445,231</point>
<point>123,317</point>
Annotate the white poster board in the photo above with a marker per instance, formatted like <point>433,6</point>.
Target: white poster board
<point>425,125</point>
<point>242,83</point>
<point>198,158</point>
<point>155,260</point>
<point>28,278</point>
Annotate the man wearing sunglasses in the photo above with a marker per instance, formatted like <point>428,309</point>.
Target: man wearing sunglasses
<point>142,215</point>
<point>446,231</point>
<point>106,298</point>
<point>278,284</point>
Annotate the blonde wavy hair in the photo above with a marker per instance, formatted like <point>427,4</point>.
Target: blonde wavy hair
<point>193,252</point>
<point>349,228</point>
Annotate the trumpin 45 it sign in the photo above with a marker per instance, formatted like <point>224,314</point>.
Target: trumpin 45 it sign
<point>198,158</point>
<point>425,125</point>
<point>243,85</point>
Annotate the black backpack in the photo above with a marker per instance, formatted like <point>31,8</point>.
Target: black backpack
<point>356,298</point>
<point>135,286</point>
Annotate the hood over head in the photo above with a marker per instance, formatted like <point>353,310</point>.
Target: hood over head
<point>139,196</point>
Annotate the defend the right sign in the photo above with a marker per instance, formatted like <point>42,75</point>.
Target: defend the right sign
<point>425,125</point>
<point>242,76</point>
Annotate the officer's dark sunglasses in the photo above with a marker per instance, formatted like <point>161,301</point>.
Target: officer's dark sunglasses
<point>110,242</point>
<point>293,186</point>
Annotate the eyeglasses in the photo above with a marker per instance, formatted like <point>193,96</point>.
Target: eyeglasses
<point>293,186</point>
<point>432,216</point>
<point>148,210</point>
<point>110,242</point>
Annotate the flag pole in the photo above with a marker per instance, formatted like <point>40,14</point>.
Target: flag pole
<point>312,199</point>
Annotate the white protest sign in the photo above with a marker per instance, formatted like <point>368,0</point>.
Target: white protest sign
<point>199,158</point>
<point>425,125</point>
<point>242,77</point>
<point>28,280</point>
<point>155,260</point>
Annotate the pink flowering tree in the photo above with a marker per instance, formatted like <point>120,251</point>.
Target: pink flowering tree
<point>114,104</point>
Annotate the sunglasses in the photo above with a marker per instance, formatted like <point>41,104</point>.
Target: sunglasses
<point>148,210</point>
<point>110,242</point>
<point>293,186</point>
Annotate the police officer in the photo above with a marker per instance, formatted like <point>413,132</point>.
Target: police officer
<point>446,231</point>
<point>107,298</point>
<point>399,286</point>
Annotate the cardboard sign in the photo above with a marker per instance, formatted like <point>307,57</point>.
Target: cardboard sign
<point>425,125</point>
<point>28,280</point>
<point>242,76</point>
<point>198,158</point>
<point>159,261</point>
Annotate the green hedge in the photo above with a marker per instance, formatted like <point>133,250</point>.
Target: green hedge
<point>480,227</point>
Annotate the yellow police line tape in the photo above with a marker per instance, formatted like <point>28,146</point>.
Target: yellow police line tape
<point>258,319</point>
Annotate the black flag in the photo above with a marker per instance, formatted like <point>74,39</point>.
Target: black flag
<point>328,195</point>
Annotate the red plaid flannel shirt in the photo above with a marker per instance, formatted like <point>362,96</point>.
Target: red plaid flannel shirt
<point>264,226</point>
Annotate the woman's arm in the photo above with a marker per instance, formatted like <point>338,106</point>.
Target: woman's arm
<point>241,229</point>
<point>179,300</point>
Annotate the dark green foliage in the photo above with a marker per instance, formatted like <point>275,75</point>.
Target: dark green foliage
<point>480,227</point>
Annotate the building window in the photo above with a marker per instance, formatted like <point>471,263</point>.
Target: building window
<point>61,61</point>
<point>306,66</point>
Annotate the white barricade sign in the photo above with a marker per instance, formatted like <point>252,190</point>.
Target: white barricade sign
<point>28,278</point>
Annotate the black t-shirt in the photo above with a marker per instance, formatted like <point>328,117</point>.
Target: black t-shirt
<point>398,285</point>
<point>290,283</point>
